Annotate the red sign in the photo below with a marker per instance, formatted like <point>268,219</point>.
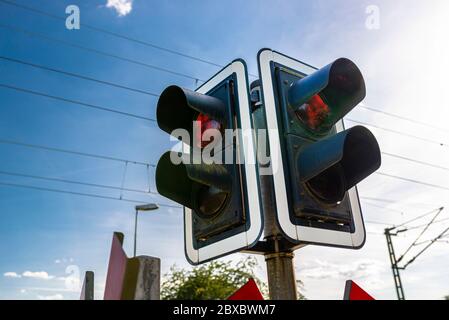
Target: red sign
<point>116,269</point>
<point>354,292</point>
<point>249,291</point>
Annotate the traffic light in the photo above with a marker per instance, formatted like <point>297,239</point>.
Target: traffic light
<point>212,178</point>
<point>316,163</point>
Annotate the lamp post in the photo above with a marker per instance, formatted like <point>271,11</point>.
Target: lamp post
<point>143,207</point>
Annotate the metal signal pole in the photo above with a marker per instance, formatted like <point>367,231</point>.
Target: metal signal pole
<point>280,264</point>
<point>278,256</point>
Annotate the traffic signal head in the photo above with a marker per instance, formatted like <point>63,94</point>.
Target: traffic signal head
<point>333,163</point>
<point>324,97</point>
<point>319,163</point>
<point>332,166</point>
<point>207,189</point>
<point>178,107</point>
<point>220,196</point>
<point>211,191</point>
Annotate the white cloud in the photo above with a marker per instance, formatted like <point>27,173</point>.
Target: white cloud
<point>12,275</point>
<point>365,268</point>
<point>23,291</point>
<point>123,7</point>
<point>57,289</point>
<point>64,260</point>
<point>37,275</point>
<point>57,296</point>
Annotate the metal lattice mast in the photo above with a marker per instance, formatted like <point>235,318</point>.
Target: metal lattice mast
<point>394,266</point>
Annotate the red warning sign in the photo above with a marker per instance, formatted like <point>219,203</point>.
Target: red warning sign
<point>354,292</point>
<point>249,291</point>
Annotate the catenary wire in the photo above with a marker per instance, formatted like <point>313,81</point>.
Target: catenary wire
<point>11,142</point>
<point>384,200</point>
<point>444,168</point>
<point>78,153</point>
<point>88,184</point>
<point>412,180</point>
<point>75,75</point>
<point>96,51</point>
<point>377,110</point>
<point>117,35</point>
<point>92,195</point>
<point>179,53</point>
<point>425,224</point>
<point>74,102</point>
<point>382,207</point>
<point>418,217</point>
<point>424,163</point>
<point>397,132</point>
<point>420,234</point>
<point>156,95</point>
<point>442,234</point>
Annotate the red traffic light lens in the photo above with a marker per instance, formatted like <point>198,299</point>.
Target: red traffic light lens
<point>314,113</point>
<point>205,123</point>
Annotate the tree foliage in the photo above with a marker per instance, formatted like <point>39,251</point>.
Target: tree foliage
<point>214,280</point>
<point>211,281</point>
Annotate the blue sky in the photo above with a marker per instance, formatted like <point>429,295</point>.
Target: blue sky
<point>44,232</point>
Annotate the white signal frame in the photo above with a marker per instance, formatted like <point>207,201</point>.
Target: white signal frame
<point>247,238</point>
<point>297,233</point>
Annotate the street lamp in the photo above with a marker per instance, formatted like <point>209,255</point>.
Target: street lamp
<point>143,207</point>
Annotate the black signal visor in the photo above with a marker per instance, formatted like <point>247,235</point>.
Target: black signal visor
<point>178,107</point>
<point>321,99</point>
<point>214,179</point>
<point>332,166</point>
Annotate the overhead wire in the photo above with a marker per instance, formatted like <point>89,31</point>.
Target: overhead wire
<point>425,224</point>
<point>419,217</point>
<point>74,152</point>
<point>96,51</point>
<point>114,34</point>
<point>176,73</point>
<point>195,58</point>
<point>420,234</point>
<point>120,36</point>
<point>25,186</point>
<point>88,184</point>
<point>442,144</point>
<point>390,114</point>
<point>415,161</point>
<point>71,74</point>
<point>411,180</point>
<point>441,235</point>
<point>378,223</point>
<point>382,207</point>
<point>385,200</point>
<point>76,75</point>
<point>75,102</point>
